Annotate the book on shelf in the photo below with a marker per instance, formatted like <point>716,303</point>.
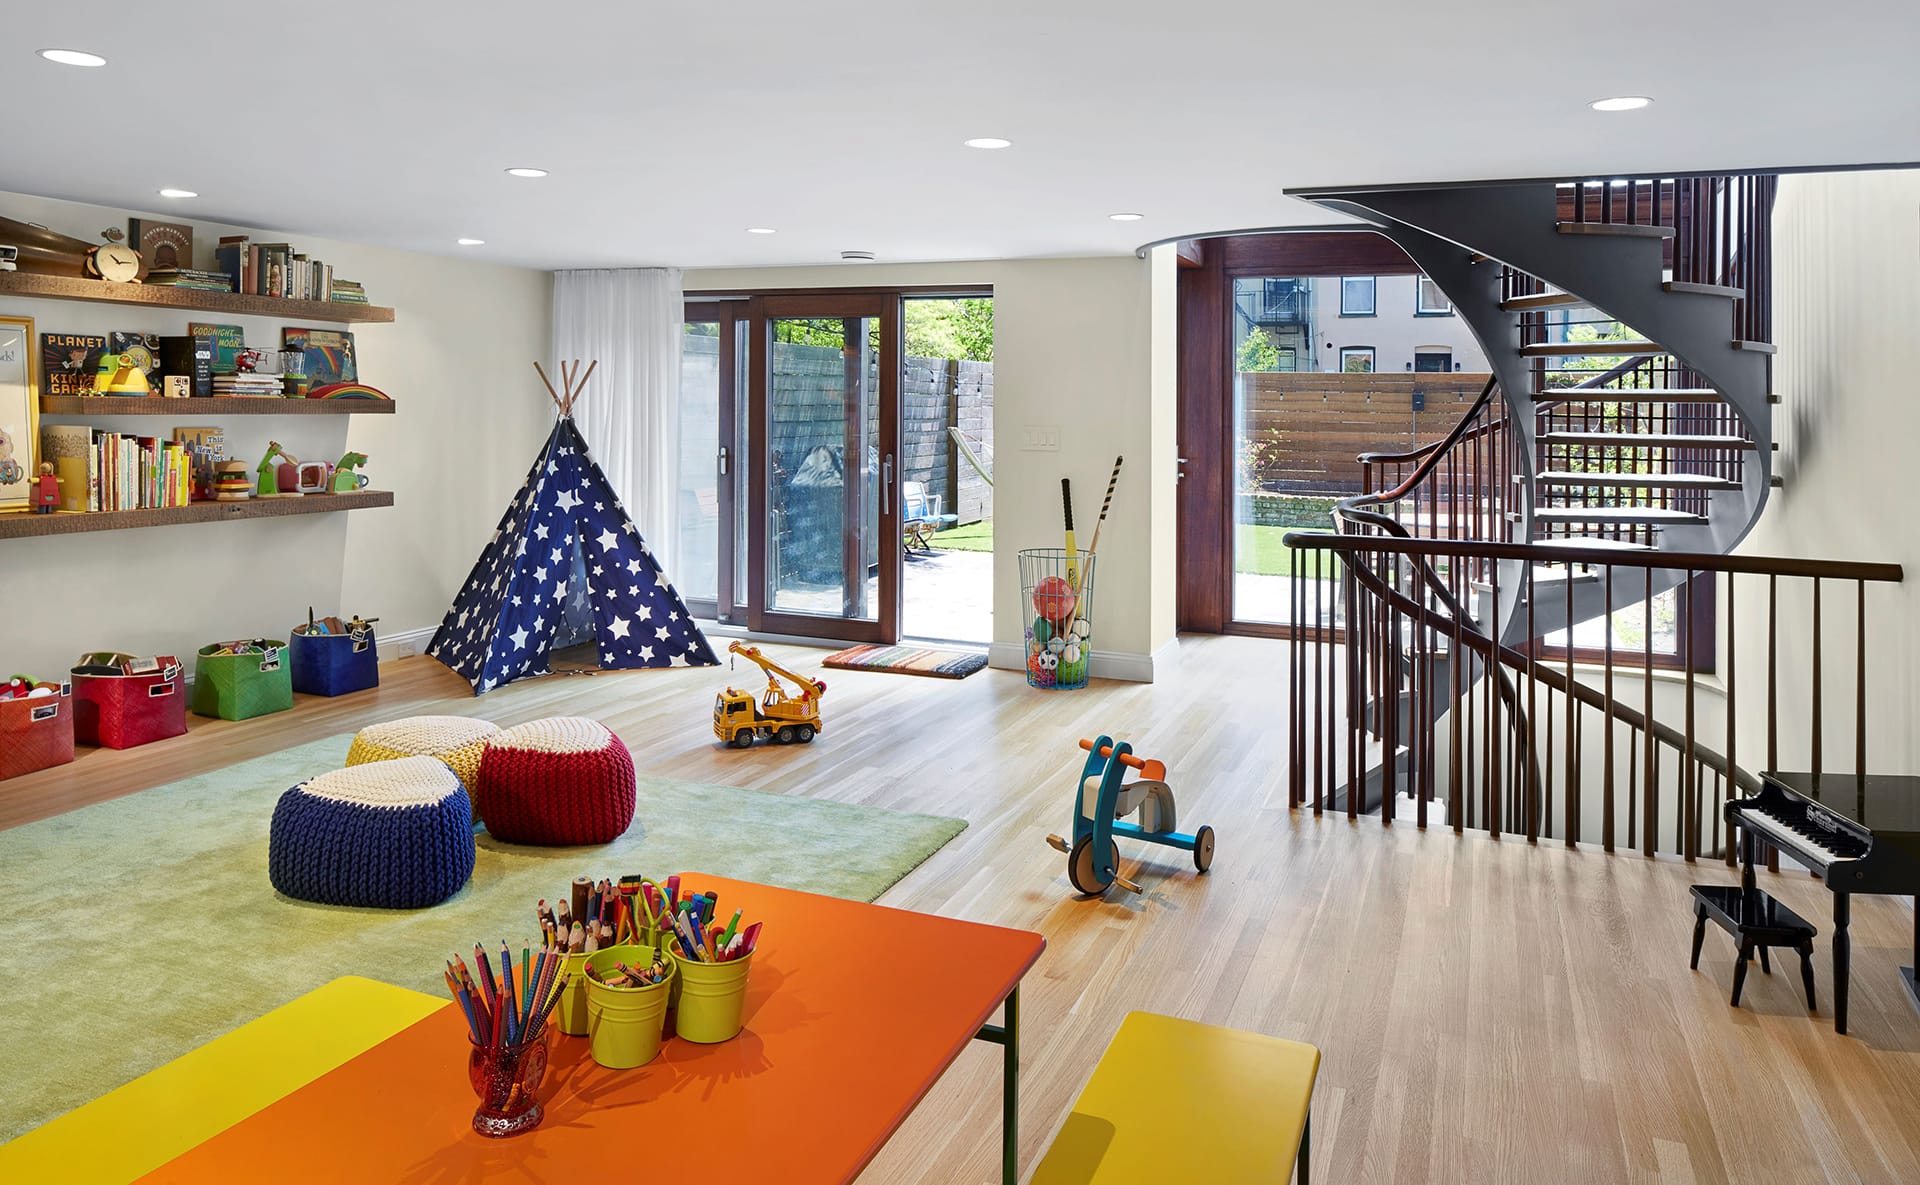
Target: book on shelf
<point>162,245</point>
<point>206,447</point>
<point>69,362</point>
<point>228,341</point>
<point>145,349</point>
<point>248,385</point>
<point>329,356</point>
<point>192,357</point>
<point>125,471</point>
<point>186,278</point>
<point>230,260</point>
<point>68,447</point>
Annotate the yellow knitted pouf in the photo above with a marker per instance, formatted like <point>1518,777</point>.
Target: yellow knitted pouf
<point>460,741</point>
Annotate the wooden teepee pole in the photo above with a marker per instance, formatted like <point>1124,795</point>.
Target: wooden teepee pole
<point>555,395</point>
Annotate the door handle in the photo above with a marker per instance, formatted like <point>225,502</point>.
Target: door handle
<point>723,460</point>
<point>886,485</point>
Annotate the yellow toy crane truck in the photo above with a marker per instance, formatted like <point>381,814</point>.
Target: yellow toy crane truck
<point>779,715</point>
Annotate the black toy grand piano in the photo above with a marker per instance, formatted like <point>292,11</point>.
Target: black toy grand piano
<point>1862,835</point>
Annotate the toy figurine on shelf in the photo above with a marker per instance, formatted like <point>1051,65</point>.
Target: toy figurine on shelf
<point>345,479</point>
<point>46,489</point>
<point>246,361</point>
<point>230,482</point>
<point>279,473</point>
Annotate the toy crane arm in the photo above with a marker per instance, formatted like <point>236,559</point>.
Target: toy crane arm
<point>771,668</point>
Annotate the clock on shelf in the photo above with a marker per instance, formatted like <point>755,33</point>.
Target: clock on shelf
<point>113,260</point>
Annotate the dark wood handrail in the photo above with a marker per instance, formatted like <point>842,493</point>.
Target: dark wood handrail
<point>1692,561</point>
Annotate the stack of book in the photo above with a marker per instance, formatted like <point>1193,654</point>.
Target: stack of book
<point>248,385</point>
<point>103,470</point>
<point>348,292</point>
<point>185,277</point>
<point>276,269</point>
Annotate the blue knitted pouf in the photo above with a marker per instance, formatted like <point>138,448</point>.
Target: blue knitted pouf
<point>391,835</point>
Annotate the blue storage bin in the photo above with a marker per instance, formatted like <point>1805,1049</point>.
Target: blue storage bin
<point>335,664</point>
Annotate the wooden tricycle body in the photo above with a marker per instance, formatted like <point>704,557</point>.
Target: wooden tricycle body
<point>1100,814</point>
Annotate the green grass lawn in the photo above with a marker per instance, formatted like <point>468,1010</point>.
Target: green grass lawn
<point>971,537</point>
<point>1258,548</point>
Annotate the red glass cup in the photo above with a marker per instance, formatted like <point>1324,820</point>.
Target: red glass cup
<point>507,1082</point>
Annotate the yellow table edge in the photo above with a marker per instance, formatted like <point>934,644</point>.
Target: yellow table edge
<point>1245,1098</point>
<point>133,1129</point>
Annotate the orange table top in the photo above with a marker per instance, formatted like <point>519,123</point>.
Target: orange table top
<point>853,1012</point>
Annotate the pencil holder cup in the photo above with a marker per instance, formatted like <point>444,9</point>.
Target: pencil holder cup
<point>1056,596</point>
<point>571,1011</point>
<point>711,999</point>
<point>624,1024</point>
<point>507,1082</point>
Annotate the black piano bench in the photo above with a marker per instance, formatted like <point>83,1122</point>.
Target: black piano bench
<point>1756,921</point>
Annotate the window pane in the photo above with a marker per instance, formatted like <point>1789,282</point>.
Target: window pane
<point>1356,295</point>
<point>698,577</point>
<point>1357,361</point>
<point>1431,299</point>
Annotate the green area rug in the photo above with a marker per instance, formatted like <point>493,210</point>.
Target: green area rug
<point>138,929</point>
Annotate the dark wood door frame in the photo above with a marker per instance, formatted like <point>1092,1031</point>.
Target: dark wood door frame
<point>1203,597</point>
<point>730,317</point>
<point>762,312</point>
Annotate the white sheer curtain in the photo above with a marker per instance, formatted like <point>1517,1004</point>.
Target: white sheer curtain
<point>629,319</point>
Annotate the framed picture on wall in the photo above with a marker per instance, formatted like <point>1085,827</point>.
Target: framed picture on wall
<point>19,415</point>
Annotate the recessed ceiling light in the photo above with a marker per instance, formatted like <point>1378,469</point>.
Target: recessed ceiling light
<point>857,256</point>
<point>989,142</point>
<point>471,242</point>
<point>1126,217</point>
<point>73,57</point>
<point>526,172</point>
<point>759,230</point>
<point>178,193</point>
<point>1623,103</point>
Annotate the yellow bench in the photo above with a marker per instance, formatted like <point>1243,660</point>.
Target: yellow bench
<point>138,1127</point>
<point>1175,1100</point>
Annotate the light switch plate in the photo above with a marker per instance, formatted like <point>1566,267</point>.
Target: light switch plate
<point>1040,438</point>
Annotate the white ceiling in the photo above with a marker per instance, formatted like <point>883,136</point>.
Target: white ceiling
<point>670,128</point>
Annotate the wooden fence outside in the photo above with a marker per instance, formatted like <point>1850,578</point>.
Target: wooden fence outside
<point>1301,432</point>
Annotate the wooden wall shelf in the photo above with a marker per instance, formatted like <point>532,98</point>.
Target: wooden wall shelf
<point>153,296</point>
<point>153,405</point>
<point>20,526</point>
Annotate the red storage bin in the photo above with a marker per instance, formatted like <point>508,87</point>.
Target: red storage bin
<point>37,732</point>
<point>121,711</point>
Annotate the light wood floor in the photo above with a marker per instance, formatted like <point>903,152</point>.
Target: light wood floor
<point>1488,1011</point>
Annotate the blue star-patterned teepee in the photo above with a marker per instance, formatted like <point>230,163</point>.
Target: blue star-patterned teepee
<point>566,566</point>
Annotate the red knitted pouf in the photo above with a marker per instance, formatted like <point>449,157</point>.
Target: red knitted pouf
<point>557,782</point>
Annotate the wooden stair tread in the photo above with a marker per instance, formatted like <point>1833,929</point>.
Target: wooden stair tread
<point>1540,300</point>
<point>1595,544</point>
<point>1646,440</point>
<point>1651,481</point>
<point>1622,229</point>
<point>1593,349</point>
<point>1617,515</point>
<point>1755,347</point>
<point>1683,286</point>
<point>1628,395</point>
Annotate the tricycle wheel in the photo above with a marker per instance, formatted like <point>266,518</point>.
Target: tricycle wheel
<point>805,734</point>
<point>1081,870</point>
<point>1203,848</point>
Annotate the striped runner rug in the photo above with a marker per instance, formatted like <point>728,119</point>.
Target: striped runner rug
<point>908,660</point>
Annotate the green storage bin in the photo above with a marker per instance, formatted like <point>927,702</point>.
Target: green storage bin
<point>242,686</point>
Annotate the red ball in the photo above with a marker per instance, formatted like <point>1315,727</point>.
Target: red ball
<point>1054,599</point>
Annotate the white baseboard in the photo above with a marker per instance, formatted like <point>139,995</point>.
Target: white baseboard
<point>1107,664</point>
<point>406,643</point>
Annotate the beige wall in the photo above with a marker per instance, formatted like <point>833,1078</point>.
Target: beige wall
<point>1846,301</point>
<point>469,417</point>
<point>1074,348</point>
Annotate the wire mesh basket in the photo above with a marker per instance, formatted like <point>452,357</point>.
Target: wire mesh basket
<point>1056,589</point>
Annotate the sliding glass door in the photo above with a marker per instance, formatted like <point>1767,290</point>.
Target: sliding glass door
<point>823,551</point>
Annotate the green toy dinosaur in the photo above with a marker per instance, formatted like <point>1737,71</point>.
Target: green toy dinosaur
<point>345,480</point>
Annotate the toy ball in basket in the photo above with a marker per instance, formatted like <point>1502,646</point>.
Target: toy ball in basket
<point>120,701</point>
<point>243,679</point>
<point>335,657</point>
<point>36,725</point>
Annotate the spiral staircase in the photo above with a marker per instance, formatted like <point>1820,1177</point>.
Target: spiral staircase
<point>1657,438</point>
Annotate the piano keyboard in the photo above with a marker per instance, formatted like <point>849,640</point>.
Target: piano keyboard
<point>1804,836</point>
